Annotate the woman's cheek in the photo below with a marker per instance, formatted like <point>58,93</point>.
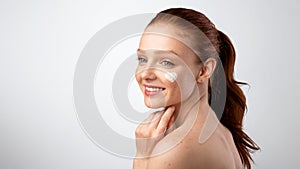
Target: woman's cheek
<point>171,81</point>
<point>138,78</point>
<point>185,83</point>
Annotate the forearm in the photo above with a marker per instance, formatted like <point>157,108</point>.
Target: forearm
<point>140,163</point>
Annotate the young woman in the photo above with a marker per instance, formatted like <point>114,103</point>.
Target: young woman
<point>183,63</point>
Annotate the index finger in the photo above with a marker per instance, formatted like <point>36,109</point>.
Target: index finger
<point>150,118</point>
<point>164,121</point>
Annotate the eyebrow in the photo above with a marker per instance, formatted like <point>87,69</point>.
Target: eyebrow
<point>140,51</point>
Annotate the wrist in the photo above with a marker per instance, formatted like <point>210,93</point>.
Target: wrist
<point>140,163</point>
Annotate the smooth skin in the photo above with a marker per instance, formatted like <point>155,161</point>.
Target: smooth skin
<point>161,130</point>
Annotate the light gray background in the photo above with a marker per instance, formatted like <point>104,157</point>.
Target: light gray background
<point>40,42</point>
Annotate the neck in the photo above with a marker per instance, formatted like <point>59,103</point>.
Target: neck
<point>190,108</point>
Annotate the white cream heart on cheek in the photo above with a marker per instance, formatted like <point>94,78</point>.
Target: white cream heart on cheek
<point>171,76</point>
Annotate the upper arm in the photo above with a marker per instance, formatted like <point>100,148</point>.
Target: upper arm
<point>180,156</point>
<point>189,156</point>
<point>169,153</point>
<point>171,159</point>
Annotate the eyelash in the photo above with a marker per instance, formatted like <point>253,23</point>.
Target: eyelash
<point>165,62</point>
<point>141,60</point>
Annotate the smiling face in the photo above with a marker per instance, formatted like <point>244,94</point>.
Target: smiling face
<point>166,71</point>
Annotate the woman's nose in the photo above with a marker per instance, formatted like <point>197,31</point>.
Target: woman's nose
<point>148,74</point>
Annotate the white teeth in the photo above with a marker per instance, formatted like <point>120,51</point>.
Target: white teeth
<point>150,89</point>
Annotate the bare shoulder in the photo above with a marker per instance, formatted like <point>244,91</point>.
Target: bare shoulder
<point>181,151</point>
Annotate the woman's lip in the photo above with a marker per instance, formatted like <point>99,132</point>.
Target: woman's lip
<point>152,86</point>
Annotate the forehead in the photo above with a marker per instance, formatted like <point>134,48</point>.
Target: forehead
<point>165,43</point>
<point>160,42</point>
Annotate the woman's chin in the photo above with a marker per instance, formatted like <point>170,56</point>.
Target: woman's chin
<point>154,105</point>
<point>155,102</point>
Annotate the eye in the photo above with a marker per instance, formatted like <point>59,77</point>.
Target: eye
<point>142,60</point>
<point>167,63</point>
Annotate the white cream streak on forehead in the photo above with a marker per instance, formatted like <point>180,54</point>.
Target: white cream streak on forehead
<point>171,76</point>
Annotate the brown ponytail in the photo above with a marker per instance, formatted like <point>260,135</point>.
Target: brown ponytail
<point>233,113</point>
<point>235,105</point>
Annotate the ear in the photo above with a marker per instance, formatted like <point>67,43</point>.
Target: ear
<point>206,70</point>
